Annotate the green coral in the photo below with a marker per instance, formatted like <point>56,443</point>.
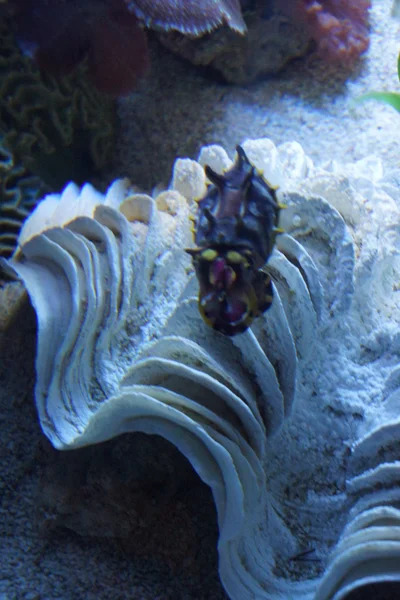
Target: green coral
<point>61,129</point>
<point>19,193</point>
<point>51,131</point>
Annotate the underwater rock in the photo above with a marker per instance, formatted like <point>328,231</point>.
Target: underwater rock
<point>277,32</point>
<point>12,298</point>
<point>266,418</point>
<point>136,489</point>
<point>272,39</point>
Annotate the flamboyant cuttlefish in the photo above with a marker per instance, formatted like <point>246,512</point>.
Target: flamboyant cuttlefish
<point>235,229</point>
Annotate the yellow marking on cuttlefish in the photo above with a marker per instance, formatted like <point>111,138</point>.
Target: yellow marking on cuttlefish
<point>193,252</point>
<point>261,173</point>
<point>209,254</point>
<point>202,312</point>
<point>235,257</point>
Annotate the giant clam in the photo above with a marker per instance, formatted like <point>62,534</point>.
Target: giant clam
<point>292,423</point>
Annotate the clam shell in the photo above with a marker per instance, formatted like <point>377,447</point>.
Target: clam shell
<point>267,418</point>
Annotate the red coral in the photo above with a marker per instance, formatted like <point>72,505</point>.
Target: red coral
<point>60,34</point>
<point>339,27</point>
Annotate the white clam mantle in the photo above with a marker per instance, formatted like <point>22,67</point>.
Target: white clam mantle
<point>294,424</point>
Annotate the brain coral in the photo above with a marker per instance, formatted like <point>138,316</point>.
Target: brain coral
<point>60,130</point>
<point>19,193</point>
<point>51,131</point>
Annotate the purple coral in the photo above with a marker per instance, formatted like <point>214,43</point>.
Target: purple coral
<point>339,27</point>
<point>189,16</point>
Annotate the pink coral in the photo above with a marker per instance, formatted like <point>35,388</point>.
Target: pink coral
<point>339,27</point>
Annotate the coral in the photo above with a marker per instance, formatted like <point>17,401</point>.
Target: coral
<point>59,35</point>
<point>189,16</point>
<point>59,130</point>
<point>19,193</point>
<point>133,489</point>
<point>339,27</point>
